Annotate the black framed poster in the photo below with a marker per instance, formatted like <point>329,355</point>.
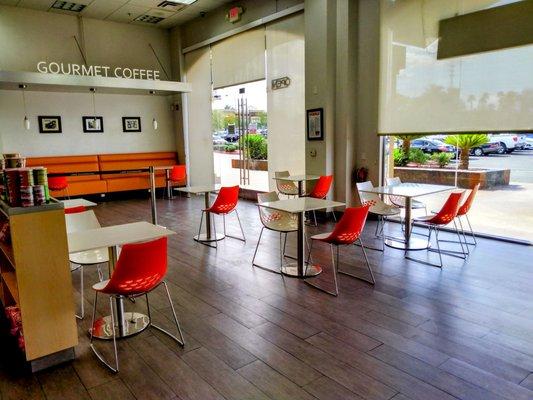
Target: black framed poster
<point>315,124</point>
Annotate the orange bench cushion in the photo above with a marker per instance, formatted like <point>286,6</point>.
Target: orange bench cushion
<point>77,185</point>
<point>111,162</point>
<point>121,182</point>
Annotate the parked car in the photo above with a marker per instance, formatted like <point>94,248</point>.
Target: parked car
<point>486,149</point>
<point>432,146</point>
<point>529,143</point>
<point>508,142</point>
<point>231,137</point>
<point>521,143</point>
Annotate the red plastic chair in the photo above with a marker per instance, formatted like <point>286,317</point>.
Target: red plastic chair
<point>463,212</point>
<point>446,215</point>
<point>178,174</point>
<point>321,190</point>
<point>58,183</point>
<point>177,177</point>
<point>225,203</point>
<point>140,269</point>
<point>346,232</point>
<point>75,210</point>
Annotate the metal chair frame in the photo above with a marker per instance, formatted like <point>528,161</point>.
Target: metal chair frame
<point>335,268</point>
<point>282,248</point>
<point>82,290</point>
<point>215,246</point>
<point>115,368</point>
<point>463,254</point>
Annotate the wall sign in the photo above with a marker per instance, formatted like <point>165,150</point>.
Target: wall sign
<point>45,67</point>
<point>234,14</point>
<point>281,83</point>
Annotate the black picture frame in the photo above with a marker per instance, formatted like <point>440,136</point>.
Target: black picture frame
<point>88,120</point>
<point>50,124</point>
<point>127,127</point>
<point>315,124</point>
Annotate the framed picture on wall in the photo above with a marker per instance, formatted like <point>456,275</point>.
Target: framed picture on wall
<point>315,124</point>
<point>93,124</point>
<point>49,124</point>
<point>131,124</point>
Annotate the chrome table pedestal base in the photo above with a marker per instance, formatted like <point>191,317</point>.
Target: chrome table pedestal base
<point>413,244</point>
<point>291,269</point>
<point>203,237</point>
<point>134,323</point>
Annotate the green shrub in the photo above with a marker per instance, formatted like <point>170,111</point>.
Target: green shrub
<point>230,148</point>
<point>399,158</point>
<point>442,159</point>
<point>418,156</point>
<point>257,147</point>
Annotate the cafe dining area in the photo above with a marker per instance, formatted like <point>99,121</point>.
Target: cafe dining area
<point>130,269</point>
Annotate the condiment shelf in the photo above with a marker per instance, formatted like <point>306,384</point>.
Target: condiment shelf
<point>35,277</point>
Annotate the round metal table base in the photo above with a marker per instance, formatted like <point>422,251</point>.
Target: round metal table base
<point>414,244</point>
<point>134,323</point>
<point>203,237</point>
<point>291,269</point>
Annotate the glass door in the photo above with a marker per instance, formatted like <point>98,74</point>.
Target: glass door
<point>240,135</point>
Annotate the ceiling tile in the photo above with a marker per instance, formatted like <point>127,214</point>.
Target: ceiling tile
<point>9,2</point>
<point>127,13</point>
<point>36,4</point>
<point>145,3</point>
<point>100,9</point>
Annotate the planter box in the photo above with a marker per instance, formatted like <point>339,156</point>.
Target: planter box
<point>255,165</point>
<point>467,179</point>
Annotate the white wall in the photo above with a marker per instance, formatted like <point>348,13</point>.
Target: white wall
<point>72,106</point>
<point>28,36</point>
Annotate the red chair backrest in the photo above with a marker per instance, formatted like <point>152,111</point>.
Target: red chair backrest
<point>75,210</point>
<point>350,226</point>
<point>448,211</point>
<point>178,173</point>
<point>322,186</point>
<point>140,268</point>
<point>226,200</point>
<point>465,207</point>
<point>57,182</point>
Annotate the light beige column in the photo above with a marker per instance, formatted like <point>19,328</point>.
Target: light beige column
<point>285,47</point>
<point>197,118</point>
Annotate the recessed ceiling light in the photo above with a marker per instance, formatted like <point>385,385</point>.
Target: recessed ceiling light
<point>68,6</point>
<point>186,2</point>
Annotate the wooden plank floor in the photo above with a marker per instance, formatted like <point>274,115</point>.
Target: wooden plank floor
<point>463,332</point>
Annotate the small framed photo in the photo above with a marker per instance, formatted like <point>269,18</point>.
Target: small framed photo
<point>93,124</point>
<point>315,124</point>
<point>49,124</point>
<point>131,124</point>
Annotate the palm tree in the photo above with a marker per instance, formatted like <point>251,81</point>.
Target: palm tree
<point>406,142</point>
<point>465,143</point>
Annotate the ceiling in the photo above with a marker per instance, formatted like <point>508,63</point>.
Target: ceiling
<point>127,11</point>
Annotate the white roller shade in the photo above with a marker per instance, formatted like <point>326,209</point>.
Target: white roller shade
<point>490,91</point>
<point>239,59</point>
<point>199,141</point>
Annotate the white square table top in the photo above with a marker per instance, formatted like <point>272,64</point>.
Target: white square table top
<point>410,189</point>
<point>298,178</point>
<point>199,189</point>
<point>115,235</point>
<point>300,204</point>
<point>78,203</point>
